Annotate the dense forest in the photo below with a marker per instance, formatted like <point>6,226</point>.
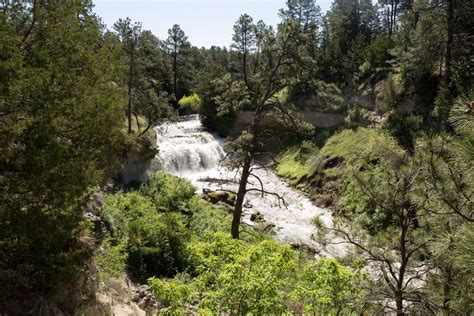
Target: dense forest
<point>366,110</point>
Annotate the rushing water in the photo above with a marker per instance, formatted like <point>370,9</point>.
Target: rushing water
<point>186,149</point>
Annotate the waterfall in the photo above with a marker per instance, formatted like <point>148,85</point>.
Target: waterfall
<point>186,149</point>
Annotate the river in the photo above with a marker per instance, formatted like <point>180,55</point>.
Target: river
<point>188,150</point>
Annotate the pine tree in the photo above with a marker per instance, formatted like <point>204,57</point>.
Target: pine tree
<point>61,135</point>
<point>175,46</point>
<point>243,40</point>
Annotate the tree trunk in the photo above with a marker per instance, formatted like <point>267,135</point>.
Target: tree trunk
<point>399,297</point>
<point>130,76</point>
<point>245,69</point>
<point>448,275</point>
<point>175,77</point>
<point>245,175</point>
<point>399,302</point>
<point>449,43</point>
<point>240,197</point>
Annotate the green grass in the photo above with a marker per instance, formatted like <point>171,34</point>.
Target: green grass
<point>359,144</point>
<point>293,163</point>
<point>289,168</point>
<point>332,172</point>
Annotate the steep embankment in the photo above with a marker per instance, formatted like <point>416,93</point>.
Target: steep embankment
<point>325,173</point>
<point>141,148</point>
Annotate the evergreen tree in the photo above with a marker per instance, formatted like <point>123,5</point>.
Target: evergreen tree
<point>61,135</point>
<point>129,35</point>
<point>243,40</point>
<point>177,45</point>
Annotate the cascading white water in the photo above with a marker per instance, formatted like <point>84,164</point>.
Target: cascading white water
<point>186,149</point>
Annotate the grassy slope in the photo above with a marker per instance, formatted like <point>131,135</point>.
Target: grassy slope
<point>323,172</point>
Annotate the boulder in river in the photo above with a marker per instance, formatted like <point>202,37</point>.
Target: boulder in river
<point>219,196</point>
<point>257,217</point>
<point>268,228</point>
<point>305,249</point>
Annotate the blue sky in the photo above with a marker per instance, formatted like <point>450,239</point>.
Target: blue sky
<point>205,22</point>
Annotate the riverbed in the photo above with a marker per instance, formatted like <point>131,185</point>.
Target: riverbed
<point>188,150</point>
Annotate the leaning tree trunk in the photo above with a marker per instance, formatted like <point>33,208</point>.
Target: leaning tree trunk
<point>245,175</point>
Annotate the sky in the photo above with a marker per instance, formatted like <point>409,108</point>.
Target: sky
<point>205,22</point>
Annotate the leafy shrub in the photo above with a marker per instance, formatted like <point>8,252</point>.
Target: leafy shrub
<point>154,241</point>
<point>327,288</point>
<point>392,92</point>
<point>237,278</point>
<point>168,192</point>
<point>175,294</point>
<point>234,277</point>
<point>113,258</point>
<point>193,101</point>
<point>365,152</point>
<point>149,228</point>
<point>207,218</point>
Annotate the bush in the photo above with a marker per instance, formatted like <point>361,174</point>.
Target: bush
<point>149,228</point>
<point>112,260</point>
<point>328,288</point>
<point>168,192</point>
<point>155,242</point>
<point>207,218</point>
<point>234,277</point>
<point>193,101</point>
<point>237,278</point>
<point>175,294</point>
<point>392,92</point>
<point>365,153</point>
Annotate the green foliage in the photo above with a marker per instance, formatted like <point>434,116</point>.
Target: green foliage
<point>392,91</point>
<point>364,151</point>
<point>113,258</point>
<point>329,288</point>
<point>193,101</point>
<point>168,192</point>
<point>60,138</point>
<point>354,113</point>
<point>148,223</point>
<point>247,279</point>
<point>403,127</point>
<point>359,145</point>
<point>150,227</point>
<point>212,115</point>
<point>175,294</point>
<point>293,165</point>
<point>378,53</point>
<point>462,120</point>
<point>207,218</point>
<point>234,277</point>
